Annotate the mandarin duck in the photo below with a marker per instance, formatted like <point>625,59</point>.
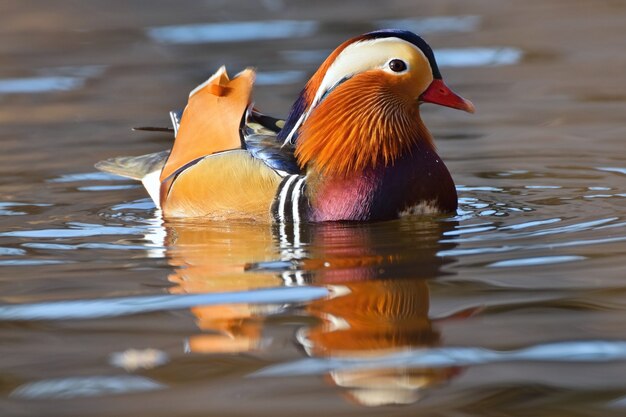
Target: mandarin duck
<point>353,146</point>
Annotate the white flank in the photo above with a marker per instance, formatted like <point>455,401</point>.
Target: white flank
<point>152,183</point>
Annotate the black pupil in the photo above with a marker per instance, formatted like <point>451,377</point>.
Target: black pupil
<point>397,65</point>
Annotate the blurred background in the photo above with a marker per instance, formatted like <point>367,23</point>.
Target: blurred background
<point>515,306</point>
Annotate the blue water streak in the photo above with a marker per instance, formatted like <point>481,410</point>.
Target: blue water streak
<point>535,261</point>
<point>570,351</point>
<point>85,386</point>
<point>33,85</point>
<point>478,57</point>
<point>233,31</point>
<point>612,169</point>
<point>87,176</point>
<point>115,307</point>
<point>433,24</point>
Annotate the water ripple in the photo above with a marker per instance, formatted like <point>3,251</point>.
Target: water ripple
<point>56,79</point>
<point>461,188</point>
<point>108,187</point>
<point>115,307</point>
<point>571,351</point>
<point>33,85</point>
<point>539,260</point>
<point>477,57</point>
<point>612,169</point>
<point>434,24</point>
<point>508,248</point>
<point>534,223</point>
<point>279,77</point>
<point>572,228</point>
<point>233,31</point>
<point>31,262</point>
<point>87,176</point>
<point>11,251</point>
<point>142,204</point>
<point>87,386</point>
<point>7,208</point>
<point>77,230</point>
<point>469,230</point>
<point>108,246</point>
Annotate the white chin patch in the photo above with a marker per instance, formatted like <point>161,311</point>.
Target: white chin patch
<point>422,209</point>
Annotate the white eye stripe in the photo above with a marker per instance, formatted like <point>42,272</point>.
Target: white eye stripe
<point>362,56</point>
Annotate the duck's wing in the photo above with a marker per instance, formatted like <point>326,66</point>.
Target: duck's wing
<point>270,123</point>
<point>259,134</point>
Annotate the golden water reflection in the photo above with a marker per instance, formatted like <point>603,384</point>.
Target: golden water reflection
<point>372,311</point>
<point>210,258</point>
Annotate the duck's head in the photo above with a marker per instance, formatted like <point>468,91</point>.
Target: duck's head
<point>361,108</point>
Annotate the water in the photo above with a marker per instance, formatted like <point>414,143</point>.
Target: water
<point>514,306</point>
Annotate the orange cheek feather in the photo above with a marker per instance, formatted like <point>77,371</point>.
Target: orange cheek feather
<point>366,121</point>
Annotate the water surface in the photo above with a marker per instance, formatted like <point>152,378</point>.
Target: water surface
<point>514,306</point>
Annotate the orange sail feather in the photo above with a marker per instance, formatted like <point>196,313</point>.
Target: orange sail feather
<point>211,120</point>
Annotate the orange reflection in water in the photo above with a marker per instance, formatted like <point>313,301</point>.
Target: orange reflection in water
<point>210,258</point>
<point>377,318</point>
<point>372,313</point>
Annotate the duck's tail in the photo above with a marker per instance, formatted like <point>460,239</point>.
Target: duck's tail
<point>144,168</point>
<point>135,167</point>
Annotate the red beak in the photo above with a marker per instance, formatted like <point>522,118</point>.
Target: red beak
<point>439,93</point>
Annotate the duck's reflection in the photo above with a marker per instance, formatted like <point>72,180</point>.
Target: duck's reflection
<point>376,318</point>
<point>210,258</point>
<point>379,275</point>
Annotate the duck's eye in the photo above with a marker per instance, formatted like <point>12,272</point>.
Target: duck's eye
<point>397,65</point>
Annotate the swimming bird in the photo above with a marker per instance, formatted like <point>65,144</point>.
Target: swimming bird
<point>353,147</point>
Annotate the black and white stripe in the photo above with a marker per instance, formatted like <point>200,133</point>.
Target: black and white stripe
<point>290,204</point>
<point>294,278</point>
